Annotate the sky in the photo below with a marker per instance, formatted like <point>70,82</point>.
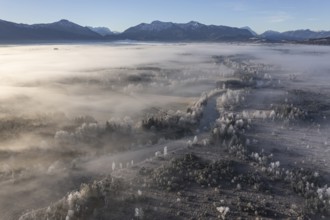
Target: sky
<point>118,15</point>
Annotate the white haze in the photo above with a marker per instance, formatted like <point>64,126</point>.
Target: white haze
<point>38,76</point>
<point>43,88</point>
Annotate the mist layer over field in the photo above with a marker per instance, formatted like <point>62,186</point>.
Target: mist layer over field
<point>68,112</point>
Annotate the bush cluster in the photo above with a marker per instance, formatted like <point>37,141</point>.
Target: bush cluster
<point>82,203</point>
<point>92,132</point>
<point>190,169</point>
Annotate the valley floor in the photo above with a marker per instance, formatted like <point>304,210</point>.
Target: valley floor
<point>259,151</point>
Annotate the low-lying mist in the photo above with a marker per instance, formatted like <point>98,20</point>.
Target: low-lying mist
<point>62,106</point>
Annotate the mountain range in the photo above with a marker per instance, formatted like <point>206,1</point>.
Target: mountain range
<point>61,30</point>
<point>192,31</point>
<point>297,35</point>
<point>155,31</point>
<point>65,30</point>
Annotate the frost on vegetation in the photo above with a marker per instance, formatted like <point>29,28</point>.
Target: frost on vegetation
<point>274,169</point>
<point>223,211</point>
<point>165,151</point>
<point>230,99</point>
<point>113,166</point>
<point>158,154</point>
<point>289,112</point>
<point>229,132</point>
<point>205,142</point>
<point>259,114</point>
<point>88,131</point>
<point>304,182</point>
<point>91,132</point>
<point>138,213</point>
<point>83,133</point>
<point>229,127</point>
<point>124,125</point>
<point>261,159</point>
<point>79,201</point>
<point>190,169</point>
<point>317,200</point>
<point>285,112</point>
<point>252,74</point>
<point>241,62</point>
<point>181,122</point>
<point>82,203</point>
<point>163,120</point>
<point>70,215</point>
<point>195,140</point>
<point>324,192</point>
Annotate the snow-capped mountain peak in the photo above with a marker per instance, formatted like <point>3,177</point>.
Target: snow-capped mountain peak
<point>191,25</point>
<point>156,26</point>
<point>65,23</point>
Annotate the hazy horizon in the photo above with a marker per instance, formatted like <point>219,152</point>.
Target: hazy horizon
<point>148,22</point>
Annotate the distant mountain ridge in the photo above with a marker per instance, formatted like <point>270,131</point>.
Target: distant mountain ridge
<point>296,35</point>
<point>191,31</point>
<point>61,30</point>
<point>154,31</point>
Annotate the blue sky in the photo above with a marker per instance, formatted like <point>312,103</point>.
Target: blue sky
<point>260,15</point>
